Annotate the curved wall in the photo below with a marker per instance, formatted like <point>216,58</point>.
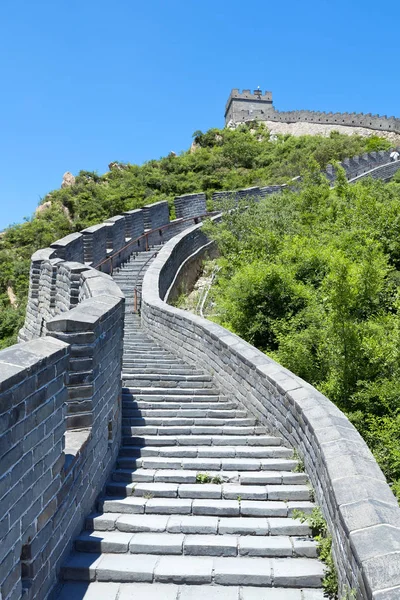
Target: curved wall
<point>362,513</point>
<point>60,396</point>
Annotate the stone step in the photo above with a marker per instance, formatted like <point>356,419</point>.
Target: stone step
<point>169,401</point>
<point>204,440</point>
<point>167,415</point>
<point>206,507</point>
<point>130,348</point>
<point>180,391</point>
<point>136,334</point>
<point>159,523</point>
<point>98,590</point>
<point>285,572</point>
<point>203,408</point>
<point>124,472</point>
<point>194,524</point>
<point>116,542</point>
<point>165,363</point>
<point>151,366</point>
<point>136,337</point>
<point>134,353</point>
<point>186,430</point>
<point>173,457</point>
<point>158,379</point>
<point>142,421</point>
<point>227,491</point>
<point>150,371</point>
<point>142,346</point>
<point>163,382</point>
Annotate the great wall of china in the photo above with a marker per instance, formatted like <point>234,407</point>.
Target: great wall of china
<point>109,416</point>
<point>256,106</point>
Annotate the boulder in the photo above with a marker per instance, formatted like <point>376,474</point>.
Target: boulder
<point>68,180</point>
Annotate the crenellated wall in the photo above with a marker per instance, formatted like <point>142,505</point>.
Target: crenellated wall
<point>247,106</point>
<point>60,396</point>
<point>361,511</point>
<point>60,399</point>
<point>190,205</point>
<point>377,165</point>
<point>60,402</point>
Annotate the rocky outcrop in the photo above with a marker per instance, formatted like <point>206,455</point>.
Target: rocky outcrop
<point>68,180</point>
<point>12,297</point>
<point>43,207</point>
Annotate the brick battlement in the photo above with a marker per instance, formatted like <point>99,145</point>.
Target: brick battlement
<point>247,106</point>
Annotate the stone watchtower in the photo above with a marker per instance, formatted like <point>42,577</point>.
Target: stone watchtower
<point>244,106</point>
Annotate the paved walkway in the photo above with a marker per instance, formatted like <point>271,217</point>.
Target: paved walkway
<point>199,506</point>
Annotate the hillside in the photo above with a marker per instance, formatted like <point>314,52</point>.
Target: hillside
<point>219,159</point>
<point>312,278</point>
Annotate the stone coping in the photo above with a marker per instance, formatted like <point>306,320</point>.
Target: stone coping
<point>388,170</point>
<point>361,510</point>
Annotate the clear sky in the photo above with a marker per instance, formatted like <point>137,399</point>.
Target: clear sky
<point>86,82</point>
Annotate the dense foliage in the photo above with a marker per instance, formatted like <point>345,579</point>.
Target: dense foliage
<point>312,278</point>
<point>219,159</point>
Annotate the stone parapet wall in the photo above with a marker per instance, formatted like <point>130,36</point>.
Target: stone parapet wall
<point>32,396</point>
<point>377,165</point>
<point>369,121</point>
<point>55,287</point>
<point>360,164</point>
<point>245,106</point>
<point>156,215</point>
<point>57,453</point>
<point>361,511</point>
<point>60,397</point>
<point>190,205</point>
<point>49,477</point>
<point>384,172</point>
<point>228,198</point>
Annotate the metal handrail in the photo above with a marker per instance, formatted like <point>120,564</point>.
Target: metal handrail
<point>146,238</point>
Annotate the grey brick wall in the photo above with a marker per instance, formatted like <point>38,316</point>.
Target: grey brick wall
<point>366,163</point>
<point>54,287</point>
<point>190,205</point>
<point>156,215</point>
<point>50,474</point>
<point>228,198</point>
<point>384,172</point>
<point>115,233</point>
<point>32,410</point>
<point>245,106</point>
<point>95,244</point>
<point>362,513</point>
<point>134,223</point>
<point>69,247</point>
<point>60,401</point>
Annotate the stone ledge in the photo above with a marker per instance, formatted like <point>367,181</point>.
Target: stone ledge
<point>354,498</point>
<point>75,442</point>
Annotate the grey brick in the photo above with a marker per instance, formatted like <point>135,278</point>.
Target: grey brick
<point>210,545</point>
<point>242,571</point>
<point>184,570</point>
<point>125,568</point>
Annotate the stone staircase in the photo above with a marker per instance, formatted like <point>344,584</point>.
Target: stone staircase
<point>200,503</point>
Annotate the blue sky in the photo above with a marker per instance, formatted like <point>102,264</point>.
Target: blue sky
<point>85,82</point>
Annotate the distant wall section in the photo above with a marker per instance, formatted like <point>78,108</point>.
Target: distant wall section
<point>246,106</point>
